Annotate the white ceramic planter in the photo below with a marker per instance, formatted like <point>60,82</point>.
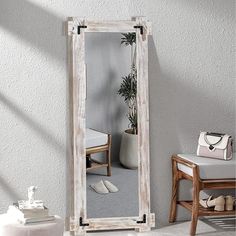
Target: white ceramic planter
<point>129,150</point>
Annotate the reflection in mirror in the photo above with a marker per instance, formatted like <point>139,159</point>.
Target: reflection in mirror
<point>111,125</point>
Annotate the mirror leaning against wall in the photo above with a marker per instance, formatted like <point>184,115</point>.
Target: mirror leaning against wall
<point>108,62</point>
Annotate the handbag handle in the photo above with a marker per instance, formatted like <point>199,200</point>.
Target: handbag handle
<point>213,134</point>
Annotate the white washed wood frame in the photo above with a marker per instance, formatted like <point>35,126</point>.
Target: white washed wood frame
<point>78,162</point>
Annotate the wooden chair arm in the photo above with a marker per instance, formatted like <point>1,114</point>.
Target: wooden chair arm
<point>176,159</point>
<point>187,163</point>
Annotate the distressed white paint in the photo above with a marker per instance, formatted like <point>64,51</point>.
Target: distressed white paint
<point>191,80</point>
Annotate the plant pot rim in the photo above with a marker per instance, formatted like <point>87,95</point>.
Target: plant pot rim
<point>129,131</point>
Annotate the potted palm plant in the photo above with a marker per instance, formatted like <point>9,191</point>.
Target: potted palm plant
<point>128,91</point>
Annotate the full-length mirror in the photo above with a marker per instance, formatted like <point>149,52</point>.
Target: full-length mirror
<point>110,163</point>
<point>111,125</point>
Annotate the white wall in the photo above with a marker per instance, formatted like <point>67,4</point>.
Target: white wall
<point>192,88</point>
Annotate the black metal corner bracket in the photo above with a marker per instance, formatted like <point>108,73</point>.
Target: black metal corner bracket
<point>144,221</point>
<point>139,27</point>
<point>81,222</point>
<point>79,27</point>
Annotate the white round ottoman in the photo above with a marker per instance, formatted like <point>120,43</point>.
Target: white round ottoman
<point>9,227</point>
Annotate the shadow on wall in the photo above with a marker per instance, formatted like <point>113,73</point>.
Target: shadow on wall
<point>33,24</point>
<point>106,62</point>
<point>178,111</point>
<point>10,191</point>
<point>111,119</point>
<point>113,115</point>
<point>42,30</point>
<point>207,7</point>
<point>32,124</point>
<point>39,130</point>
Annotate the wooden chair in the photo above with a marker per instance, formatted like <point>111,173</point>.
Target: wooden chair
<point>97,142</point>
<point>194,168</point>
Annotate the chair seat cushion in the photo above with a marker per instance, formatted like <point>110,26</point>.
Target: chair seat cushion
<point>209,168</point>
<point>95,138</point>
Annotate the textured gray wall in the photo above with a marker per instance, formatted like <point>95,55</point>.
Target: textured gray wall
<point>106,62</point>
<point>192,88</point>
<point>192,84</point>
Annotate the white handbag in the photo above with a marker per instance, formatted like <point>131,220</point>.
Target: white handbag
<point>215,145</point>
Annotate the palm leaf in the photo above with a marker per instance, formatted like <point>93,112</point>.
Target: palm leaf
<point>128,39</point>
<point>128,87</point>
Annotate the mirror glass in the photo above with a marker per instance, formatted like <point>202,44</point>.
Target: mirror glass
<point>111,125</point>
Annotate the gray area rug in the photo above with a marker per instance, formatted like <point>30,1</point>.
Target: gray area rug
<point>204,228</point>
<point>227,223</point>
<point>120,204</point>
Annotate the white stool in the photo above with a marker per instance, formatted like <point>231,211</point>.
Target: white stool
<point>9,227</point>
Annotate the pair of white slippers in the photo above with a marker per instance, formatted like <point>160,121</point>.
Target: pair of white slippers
<point>104,187</point>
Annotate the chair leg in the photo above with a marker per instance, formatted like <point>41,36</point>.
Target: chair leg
<point>88,161</point>
<point>195,207</point>
<point>175,187</point>
<point>108,157</point>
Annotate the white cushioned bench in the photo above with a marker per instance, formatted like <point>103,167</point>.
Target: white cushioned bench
<point>205,173</point>
<point>209,168</point>
<point>95,138</point>
<point>96,142</point>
